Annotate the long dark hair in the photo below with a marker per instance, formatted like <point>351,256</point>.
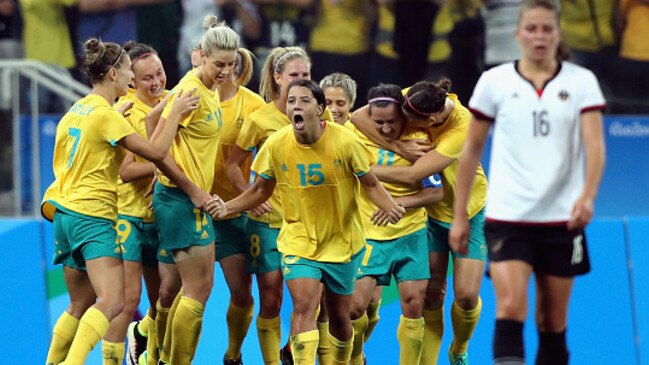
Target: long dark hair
<point>425,98</point>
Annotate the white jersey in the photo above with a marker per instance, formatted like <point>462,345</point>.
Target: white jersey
<point>537,157</point>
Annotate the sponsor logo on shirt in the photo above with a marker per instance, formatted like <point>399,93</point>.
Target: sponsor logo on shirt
<point>563,95</point>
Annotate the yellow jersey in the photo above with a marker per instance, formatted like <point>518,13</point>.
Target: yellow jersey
<point>341,27</point>
<point>46,35</point>
<point>235,110</point>
<point>130,196</point>
<point>577,25</point>
<point>86,160</point>
<point>256,128</point>
<point>634,45</point>
<point>440,48</point>
<point>195,147</point>
<point>414,219</point>
<point>318,187</point>
<point>448,140</point>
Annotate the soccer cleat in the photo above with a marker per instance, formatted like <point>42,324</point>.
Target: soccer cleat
<point>285,355</point>
<point>136,344</point>
<point>238,361</point>
<point>143,359</point>
<point>455,359</point>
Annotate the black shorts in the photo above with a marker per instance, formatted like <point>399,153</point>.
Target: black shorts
<point>550,249</point>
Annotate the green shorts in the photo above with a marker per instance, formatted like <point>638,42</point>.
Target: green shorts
<point>230,237</point>
<point>165,257</point>
<point>180,224</point>
<point>405,257</point>
<point>139,240</point>
<point>79,238</point>
<point>339,277</point>
<point>438,238</point>
<point>262,247</point>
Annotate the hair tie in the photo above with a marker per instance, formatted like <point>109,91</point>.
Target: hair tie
<point>276,67</point>
<point>383,98</point>
<point>415,109</point>
<point>141,57</point>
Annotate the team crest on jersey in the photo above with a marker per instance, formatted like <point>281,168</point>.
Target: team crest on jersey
<point>563,95</point>
<point>284,168</point>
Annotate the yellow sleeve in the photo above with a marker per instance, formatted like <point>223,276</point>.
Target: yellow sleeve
<point>451,142</point>
<point>187,118</point>
<point>360,157</point>
<point>116,128</point>
<point>249,135</point>
<point>263,164</point>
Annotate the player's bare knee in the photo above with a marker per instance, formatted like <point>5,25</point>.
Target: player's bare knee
<point>111,305</point>
<point>357,311</point>
<point>550,321</point>
<point>303,307</point>
<point>167,295</point>
<point>131,302</point>
<point>242,298</point>
<point>412,306</point>
<point>511,308</point>
<point>78,307</point>
<point>339,320</point>
<point>434,298</point>
<point>466,299</point>
<point>269,309</point>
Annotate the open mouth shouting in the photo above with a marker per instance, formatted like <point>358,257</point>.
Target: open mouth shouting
<point>298,122</point>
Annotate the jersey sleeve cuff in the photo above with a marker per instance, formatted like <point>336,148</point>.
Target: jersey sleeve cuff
<point>600,107</point>
<point>481,116</point>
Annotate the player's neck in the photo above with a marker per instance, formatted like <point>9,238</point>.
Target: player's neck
<point>105,91</point>
<point>209,84</point>
<point>538,72</point>
<point>146,100</point>
<point>280,104</point>
<point>548,67</point>
<point>227,90</point>
<point>311,135</point>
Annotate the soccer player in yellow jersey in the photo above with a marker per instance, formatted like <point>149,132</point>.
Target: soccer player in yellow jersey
<point>317,168</point>
<point>82,201</point>
<point>399,250</point>
<point>231,247</point>
<point>136,230</point>
<point>431,106</point>
<point>283,65</point>
<point>340,92</point>
<point>186,232</point>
